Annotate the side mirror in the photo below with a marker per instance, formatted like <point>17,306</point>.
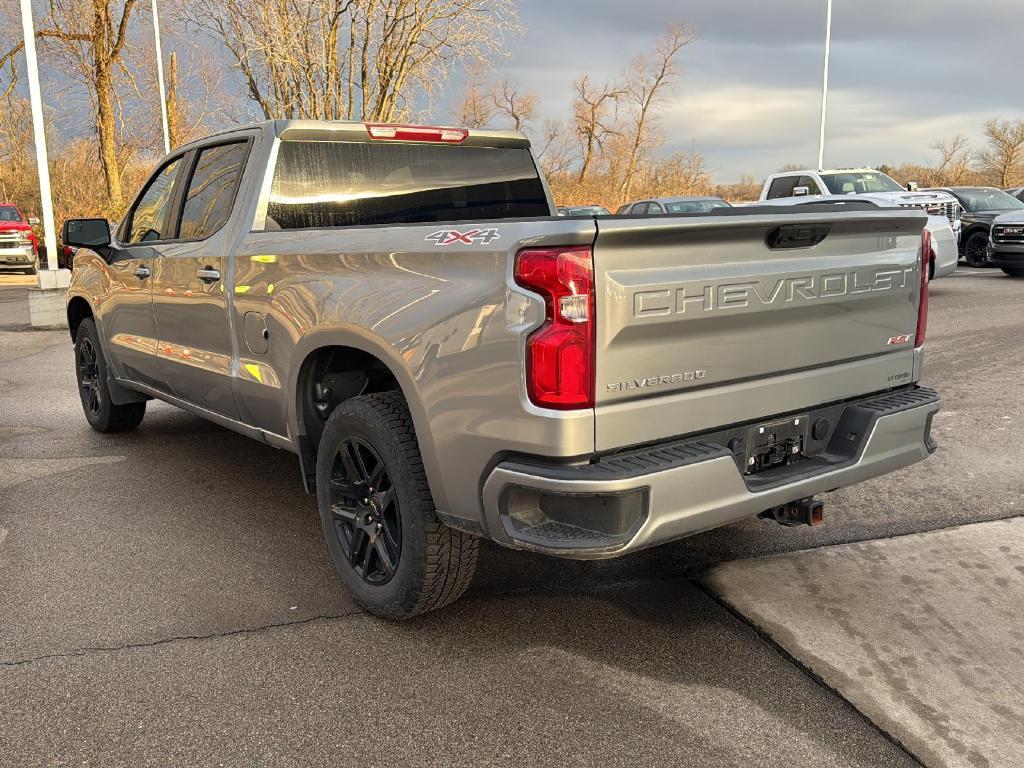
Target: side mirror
<point>801,191</point>
<point>86,233</point>
<point>911,186</point>
<point>33,221</point>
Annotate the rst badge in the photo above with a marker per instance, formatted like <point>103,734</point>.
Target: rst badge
<point>901,339</point>
<point>457,237</point>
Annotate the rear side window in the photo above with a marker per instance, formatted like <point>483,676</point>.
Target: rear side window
<point>211,191</point>
<point>338,184</point>
<point>782,187</point>
<point>9,213</point>
<point>811,184</point>
<point>149,217</point>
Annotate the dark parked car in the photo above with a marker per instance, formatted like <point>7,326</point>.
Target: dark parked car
<point>981,206</point>
<point>685,204</point>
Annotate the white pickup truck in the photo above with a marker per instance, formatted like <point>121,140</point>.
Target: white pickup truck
<point>870,185</point>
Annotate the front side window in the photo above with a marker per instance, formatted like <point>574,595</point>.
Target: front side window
<point>9,213</point>
<point>149,220</point>
<point>810,183</point>
<point>337,184</point>
<point>211,191</point>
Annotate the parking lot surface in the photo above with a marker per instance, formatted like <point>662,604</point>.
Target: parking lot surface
<point>167,599</point>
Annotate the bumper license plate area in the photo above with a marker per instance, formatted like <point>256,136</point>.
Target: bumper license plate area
<point>777,444</point>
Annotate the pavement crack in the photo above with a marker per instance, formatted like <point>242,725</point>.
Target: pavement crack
<point>90,650</point>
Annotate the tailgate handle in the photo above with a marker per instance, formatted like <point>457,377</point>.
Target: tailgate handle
<point>797,236</point>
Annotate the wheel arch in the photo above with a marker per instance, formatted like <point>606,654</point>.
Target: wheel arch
<point>349,348</point>
<point>78,309</point>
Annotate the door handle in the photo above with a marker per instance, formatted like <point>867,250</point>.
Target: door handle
<point>208,274</point>
<point>142,272</point>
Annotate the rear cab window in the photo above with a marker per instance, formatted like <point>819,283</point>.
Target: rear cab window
<point>782,186</point>
<point>339,184</point>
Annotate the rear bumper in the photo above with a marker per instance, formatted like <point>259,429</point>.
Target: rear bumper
<point>636,499</point>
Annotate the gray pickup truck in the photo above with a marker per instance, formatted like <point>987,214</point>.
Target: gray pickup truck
<point>401,307</point>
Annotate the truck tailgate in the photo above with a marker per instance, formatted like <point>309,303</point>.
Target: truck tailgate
<point>715,320</point>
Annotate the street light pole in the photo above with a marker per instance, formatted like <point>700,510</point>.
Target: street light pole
<point>824,85</point>
<point>160,78</point>
<point>39,134</point>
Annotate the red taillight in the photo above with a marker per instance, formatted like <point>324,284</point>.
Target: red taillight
<point>927,254</point>
<point>417,133</point>
<point>560,354</point>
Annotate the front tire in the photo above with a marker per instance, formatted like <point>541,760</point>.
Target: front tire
<point>1014,271</point>
<point>378,516</point>
<point>976,250</point>
<point>101,412</point>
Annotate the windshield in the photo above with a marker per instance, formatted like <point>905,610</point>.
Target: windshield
<point>696,206</point>
<point>859,183</point>
<point>9,213</point>
<point>987,200</point>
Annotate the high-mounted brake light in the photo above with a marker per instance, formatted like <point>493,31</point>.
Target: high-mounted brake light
<point>927,254</point>
<point>560,354</point>
<point>417,133</point>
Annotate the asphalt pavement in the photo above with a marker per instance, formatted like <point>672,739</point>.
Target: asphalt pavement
<point>166,599</point>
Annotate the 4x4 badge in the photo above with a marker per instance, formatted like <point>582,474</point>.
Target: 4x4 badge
<point>469,237</point>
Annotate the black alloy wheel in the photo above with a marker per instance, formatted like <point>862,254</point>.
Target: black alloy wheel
<point>364,506</point>
<point>89,376</point>
<point>976,250</point>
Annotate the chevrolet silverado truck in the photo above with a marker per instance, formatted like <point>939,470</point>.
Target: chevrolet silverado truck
<point>450,360</point>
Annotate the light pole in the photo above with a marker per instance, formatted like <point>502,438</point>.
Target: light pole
<point>39,135</point>
<point>824,85</point>
<point>160,78</point>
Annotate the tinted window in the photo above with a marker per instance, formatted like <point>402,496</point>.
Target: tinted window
<point>697,206</point>
<point>149,217</point>
<point>654,208</point>
<point>859,183</point>
<point>810,183</point>
<point>9,213</point>
<point>782,187</point>
<point>336,184</point>
<point>211,190</point>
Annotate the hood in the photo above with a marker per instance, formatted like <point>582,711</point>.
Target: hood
<point>1014,217</point>
<point>910,198</point>
<point>985,216</point>
<point>14,226</point>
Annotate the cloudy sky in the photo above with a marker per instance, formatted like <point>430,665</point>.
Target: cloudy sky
<point>903,72</point>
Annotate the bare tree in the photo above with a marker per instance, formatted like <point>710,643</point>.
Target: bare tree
<point>355,59</point>
<point>1003,160</point>
<point>592,114</point>
<point>954,160</point>
<point>645,86</point>
<point>476,108</point>
<point>554,150</point>
<point>519,108</point>
<point>93,35</point>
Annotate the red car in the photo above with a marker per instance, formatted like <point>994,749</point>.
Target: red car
<point>19,247</point>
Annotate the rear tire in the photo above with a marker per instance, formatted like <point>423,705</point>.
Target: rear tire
<point>378,516</point>
<point>101,412</point>
<point>1014,271</point>
<point>976,250</point>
